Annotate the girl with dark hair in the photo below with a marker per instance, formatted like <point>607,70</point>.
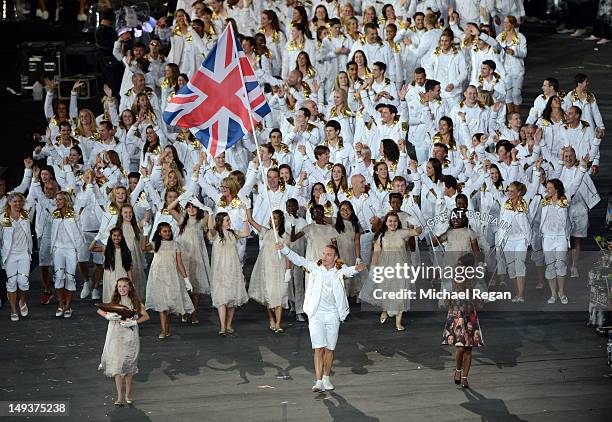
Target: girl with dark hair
<point>382,182</point>
<point>168,282</point>
<point>122,345</point>
<point>271,275</point>
<point>552,121</point>
<point>228,291</point>
<point>394,156</point>
<point>318,196</point>
<point>286,173</point>
<point>337,188</point>
<point>192,226</point>
<point>349,246</point>
<point>132,235</point>
<point>117,262</point>
<point>300,17</point>
<point>274,37</point>
<point>389,251</point>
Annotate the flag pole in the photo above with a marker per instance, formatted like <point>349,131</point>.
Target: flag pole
<point>261,169</point>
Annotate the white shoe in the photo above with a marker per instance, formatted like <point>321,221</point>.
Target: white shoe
<point>95,294</point>
<point>565,31</point>
<point>574,273</point>
<point>23,309</point>
<point>591,38</point>
<point>578,33</point>
<point>59,312</point>
<point>603,41</point>
<point>45,15</point>
<point>552,299</point>
<point>327,383</point>
<point>318,387</point>
<point>86,290</point>
<point>564,300</point>
<point>67,313</point>
<point>82,17</point>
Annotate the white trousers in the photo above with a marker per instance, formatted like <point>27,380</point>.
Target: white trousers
<point>555,256</point>
<point>64,265</point>
<point>17,272</point>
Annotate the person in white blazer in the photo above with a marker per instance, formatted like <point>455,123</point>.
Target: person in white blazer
<point>66,242</point>
<point>326,305</point>
<point>16,240</point>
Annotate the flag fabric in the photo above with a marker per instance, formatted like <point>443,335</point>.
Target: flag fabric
<point>216,102</point>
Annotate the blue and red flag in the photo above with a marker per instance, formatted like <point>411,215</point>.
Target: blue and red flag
<point>216,102</point>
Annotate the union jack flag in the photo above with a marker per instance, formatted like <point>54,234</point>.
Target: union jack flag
<point>217,101</point>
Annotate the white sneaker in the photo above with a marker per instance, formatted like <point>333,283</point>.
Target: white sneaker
<point>327,383</point>
<point>564,300</point>
<point>603,41</point>
<point>86,290</point>
<point>591,38</point>
<point>574,273</point>
<point>95,294</point>
<point>318,387</point>
<point>552,299</point>
<point>59,312</point>
<point>67,313</point>
<point>578,33</point>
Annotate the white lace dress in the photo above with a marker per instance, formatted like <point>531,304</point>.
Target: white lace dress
<point>109,280</point>
<point>195,256</point>
<point>139,278</point>
<point>267,284</point>
<point>121,348</point>
<point>228,285</point>
<point>393,252</point>
<point>165,287</point>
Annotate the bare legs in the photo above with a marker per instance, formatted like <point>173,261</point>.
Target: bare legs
<point>520,286</point>
<point>463,361</point>
<point>226,316</point>
<point>128,387</point>
<point>12,297</point>
<point>164,320</point>
<point>323,360</point>
<point>275,316</point>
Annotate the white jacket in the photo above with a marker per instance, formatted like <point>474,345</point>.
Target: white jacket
<point>312,296</point>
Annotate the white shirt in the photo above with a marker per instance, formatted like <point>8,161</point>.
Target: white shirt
<point>19,244</point>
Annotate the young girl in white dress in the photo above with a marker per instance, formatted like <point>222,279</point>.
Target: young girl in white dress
<point>168,283</point>
<point>228,286</point>
<point>122,345</point>
<point>192,225</point>
<point>132,234</point>
<point>271,275</point>
<point>349,246</point>
<point>389,250</point>
<point>117,262</point>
